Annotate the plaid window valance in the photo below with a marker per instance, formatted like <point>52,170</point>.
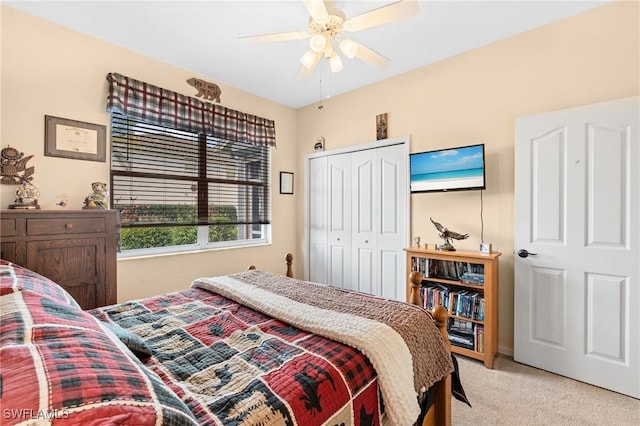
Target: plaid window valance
<point>154,105</point>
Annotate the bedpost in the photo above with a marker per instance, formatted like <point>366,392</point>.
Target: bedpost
<point>442,400</point>
<point>415,280</point>
<point>440,412</point>
<point>289,259</point>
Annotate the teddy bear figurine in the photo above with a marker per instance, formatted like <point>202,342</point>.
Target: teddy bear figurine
<point>97,199</point>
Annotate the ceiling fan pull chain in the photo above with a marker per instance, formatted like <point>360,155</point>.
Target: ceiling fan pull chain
<point>320,106</point>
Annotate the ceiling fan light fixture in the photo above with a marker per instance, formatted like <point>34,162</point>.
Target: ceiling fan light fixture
<point>349,48</point>
<point>317,43</point>
<point>326,26</point>
<point>335,63</point>
<point>308,59</point>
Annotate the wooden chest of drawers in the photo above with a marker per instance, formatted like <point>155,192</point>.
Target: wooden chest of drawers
<point>76,249</point>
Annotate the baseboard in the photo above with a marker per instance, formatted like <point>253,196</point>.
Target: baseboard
<point>506,351</point>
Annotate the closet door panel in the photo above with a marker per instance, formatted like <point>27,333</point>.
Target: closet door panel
<point>339,220</point>
<point>365,217</point>
<point>391,268</point>
<point>339,268</point>
<point>318,227</point>
<point>364,190</point>
<point>364,270</point>
<point>391,235</point>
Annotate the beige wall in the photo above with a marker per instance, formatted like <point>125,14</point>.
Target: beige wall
<point>49,70</point>
<point>475,97</point>
<point>470,98</point>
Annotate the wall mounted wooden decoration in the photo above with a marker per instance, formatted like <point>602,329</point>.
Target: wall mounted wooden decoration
<point>206,90</point>
<point>381,126</point>
<point>14,167</point>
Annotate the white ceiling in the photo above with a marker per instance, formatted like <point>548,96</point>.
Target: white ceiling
<point>202,36</point>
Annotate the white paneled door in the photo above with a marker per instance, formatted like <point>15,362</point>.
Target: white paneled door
<point>577,237</point>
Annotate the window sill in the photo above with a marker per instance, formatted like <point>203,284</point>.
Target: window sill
<point>190,251</point>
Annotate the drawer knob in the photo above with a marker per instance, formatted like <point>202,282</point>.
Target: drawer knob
<point>68,225</point>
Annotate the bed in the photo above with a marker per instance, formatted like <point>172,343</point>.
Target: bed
<point>251,348</point>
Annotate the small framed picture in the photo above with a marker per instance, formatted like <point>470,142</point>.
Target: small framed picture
<point>286,183</point>
<point>74,139</point>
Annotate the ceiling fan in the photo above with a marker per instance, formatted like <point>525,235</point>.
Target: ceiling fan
<point>326,31</point>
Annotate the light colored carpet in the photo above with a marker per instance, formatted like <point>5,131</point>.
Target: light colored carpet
<point>515,394</point>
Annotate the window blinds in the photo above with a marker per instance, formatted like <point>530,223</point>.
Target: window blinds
<point>162,176</point>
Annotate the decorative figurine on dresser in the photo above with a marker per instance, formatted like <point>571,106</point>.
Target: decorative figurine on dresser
<point>97,199</point>
<point>26,197</point>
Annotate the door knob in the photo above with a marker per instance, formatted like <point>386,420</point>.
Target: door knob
<point>524,253</point>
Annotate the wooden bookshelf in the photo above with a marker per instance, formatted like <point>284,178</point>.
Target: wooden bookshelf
<point>470,279</point>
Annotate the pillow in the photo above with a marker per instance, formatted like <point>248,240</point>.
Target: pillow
<point>17,278</point>
<point>59,355</point>
<point>132,341</point>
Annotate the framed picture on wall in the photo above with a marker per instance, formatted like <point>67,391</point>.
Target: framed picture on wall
<point>286,183</point>
<point>74,139</point>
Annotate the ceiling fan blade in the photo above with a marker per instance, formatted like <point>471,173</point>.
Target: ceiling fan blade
<point>305,72</point>
<point>392,12</point>
<point>317,9</point>
<point>370,57</point>
<point>270,38</point>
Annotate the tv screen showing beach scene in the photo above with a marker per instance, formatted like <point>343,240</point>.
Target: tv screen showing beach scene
<point>451,169</point>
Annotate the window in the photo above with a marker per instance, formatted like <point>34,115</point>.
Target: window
<point>179,190</point>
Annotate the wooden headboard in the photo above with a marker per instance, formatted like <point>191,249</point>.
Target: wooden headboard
<point>289,259</point>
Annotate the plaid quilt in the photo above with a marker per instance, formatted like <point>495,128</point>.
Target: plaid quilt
<point>183,358</point>
<point>60,365</point>
<point>400,340</point>
<point>232,365</point>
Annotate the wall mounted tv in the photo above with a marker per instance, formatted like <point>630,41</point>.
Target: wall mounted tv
<point>451,169</point>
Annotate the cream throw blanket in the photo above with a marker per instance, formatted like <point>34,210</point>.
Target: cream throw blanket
<point>383,345</point>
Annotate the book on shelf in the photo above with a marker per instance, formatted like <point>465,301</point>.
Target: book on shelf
<point>421,265</point>
<point>468,304</point>
<point>472,278</point>
<point>434,295</point>
<point>460,326</point>
<point>466,272</point>
<point>464,303</point>
<point>466,334</point>
<point>479,338</point>
<point>462,340</point>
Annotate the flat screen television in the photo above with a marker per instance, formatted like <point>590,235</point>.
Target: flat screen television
<point>451,169</point>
